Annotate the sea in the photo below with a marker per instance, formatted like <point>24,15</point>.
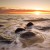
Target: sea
<point>10,22</point>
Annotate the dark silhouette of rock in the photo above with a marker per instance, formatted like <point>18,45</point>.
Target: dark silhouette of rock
<point>19,30</point>
<point>44,28</point>
<point>35,20</point>
<point>29,24</point>
<point>29,38</point>
<point>1,25</point>
<point>4,40</point>
<point>27,35</point>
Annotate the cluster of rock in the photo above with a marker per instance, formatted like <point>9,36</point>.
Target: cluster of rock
<point>29,37</point>
<point>26,36</point>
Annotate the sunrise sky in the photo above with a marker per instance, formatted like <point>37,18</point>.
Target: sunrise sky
<point>26,4</point>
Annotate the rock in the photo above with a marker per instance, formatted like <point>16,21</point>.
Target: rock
<point>27,35</point>
<point>29,25</point>
<point>45,28</point>
<point>4,40</point>
<point>19,30</point>
<point>1,25</point>
<point>29,38</point>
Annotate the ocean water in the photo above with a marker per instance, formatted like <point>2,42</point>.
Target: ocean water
<point>10,22</point>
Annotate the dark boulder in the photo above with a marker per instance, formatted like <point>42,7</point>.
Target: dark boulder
<point>27,35</point>
<point>29,24</point>
<point>45,28</point>
<point>1,25</point>
<point>4,40</point>
<point>19,30</point>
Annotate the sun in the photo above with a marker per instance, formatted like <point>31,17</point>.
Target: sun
<point>37,12</point>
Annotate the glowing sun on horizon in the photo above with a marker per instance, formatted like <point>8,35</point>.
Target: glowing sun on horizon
<point>37,13</point>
